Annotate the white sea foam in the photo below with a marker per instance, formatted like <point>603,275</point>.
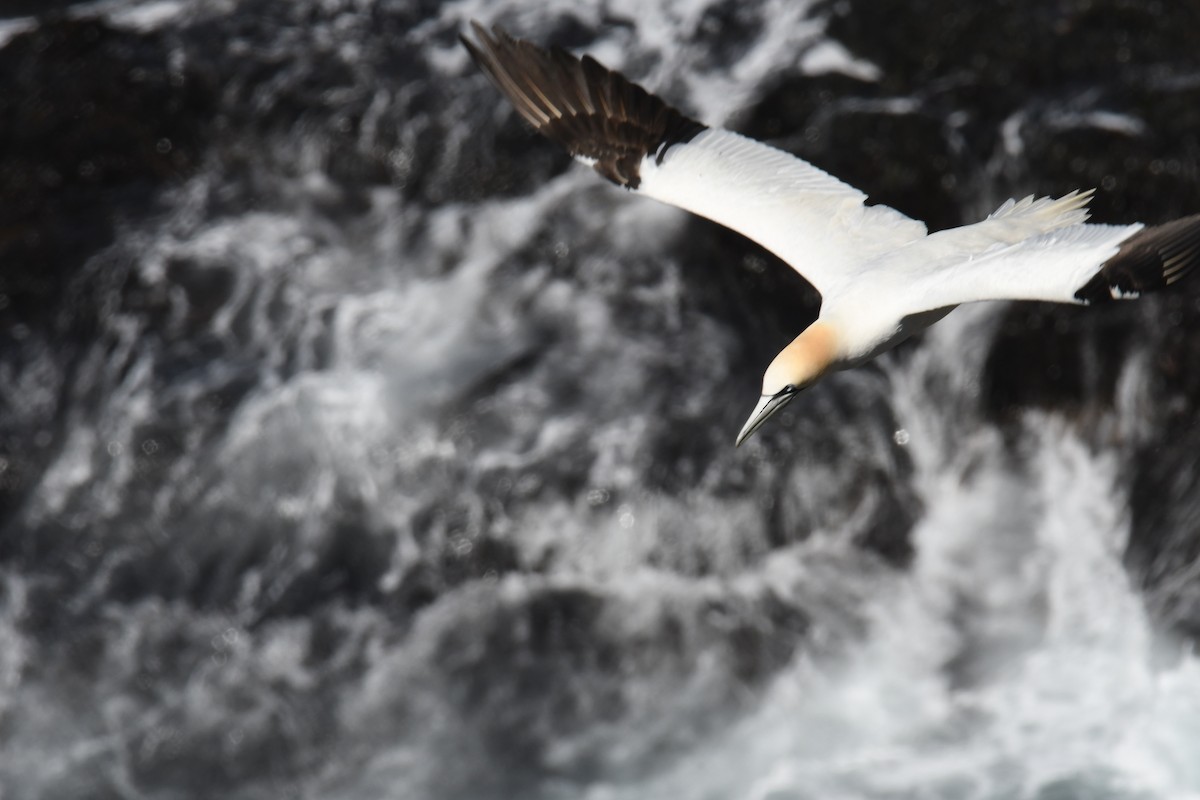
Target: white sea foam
<point>830,56</point>
<point>149,15</point>
<point>14,26</point>
<point>1014,658</point>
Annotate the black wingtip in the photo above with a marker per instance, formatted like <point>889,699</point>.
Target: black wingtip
<point>590,110</point>
<point>1151,259</point>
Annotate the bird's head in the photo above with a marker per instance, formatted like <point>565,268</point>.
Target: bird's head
<point>797,367</point>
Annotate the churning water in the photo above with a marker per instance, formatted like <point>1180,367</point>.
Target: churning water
<point>353,444</point>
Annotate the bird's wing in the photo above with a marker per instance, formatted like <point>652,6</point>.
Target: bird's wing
<point>1042,250</point>
<point>816,223</point>
<point>1052,266</point>
<point>1151,259</point>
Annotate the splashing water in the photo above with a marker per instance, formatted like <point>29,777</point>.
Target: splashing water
<point>392,457</point>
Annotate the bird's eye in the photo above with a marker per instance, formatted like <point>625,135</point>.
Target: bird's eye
<point>789,389</point>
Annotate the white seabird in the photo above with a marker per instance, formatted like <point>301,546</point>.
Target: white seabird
<point>881,275</point>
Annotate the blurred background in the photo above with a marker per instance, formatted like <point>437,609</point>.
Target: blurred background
<point>355,443</point>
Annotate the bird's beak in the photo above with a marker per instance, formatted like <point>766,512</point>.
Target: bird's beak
<point>767,406</point>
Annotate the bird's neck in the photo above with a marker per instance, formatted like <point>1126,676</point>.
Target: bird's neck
<point>816,348</point>
<point>821,341</point>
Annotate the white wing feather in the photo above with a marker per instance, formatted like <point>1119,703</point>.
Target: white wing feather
<point>813,221</point>
<point>1052,267</point>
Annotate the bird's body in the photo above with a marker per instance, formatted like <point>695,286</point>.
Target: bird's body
<point>882,276</point>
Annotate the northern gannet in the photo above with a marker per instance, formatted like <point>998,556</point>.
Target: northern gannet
<point>882,276</point>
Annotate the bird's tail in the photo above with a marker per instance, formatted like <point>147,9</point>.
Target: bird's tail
<point>1019,219</point>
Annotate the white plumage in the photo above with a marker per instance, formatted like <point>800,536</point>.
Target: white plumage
<point>807,217</point>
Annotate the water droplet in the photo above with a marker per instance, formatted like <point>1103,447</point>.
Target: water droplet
<point>901,437</point>
<point>625,517</point>
<point>114,449</point>
<point>528,484</point>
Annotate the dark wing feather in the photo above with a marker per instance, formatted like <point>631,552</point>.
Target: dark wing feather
<point>1149,260</point>
<point>591,111</point>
